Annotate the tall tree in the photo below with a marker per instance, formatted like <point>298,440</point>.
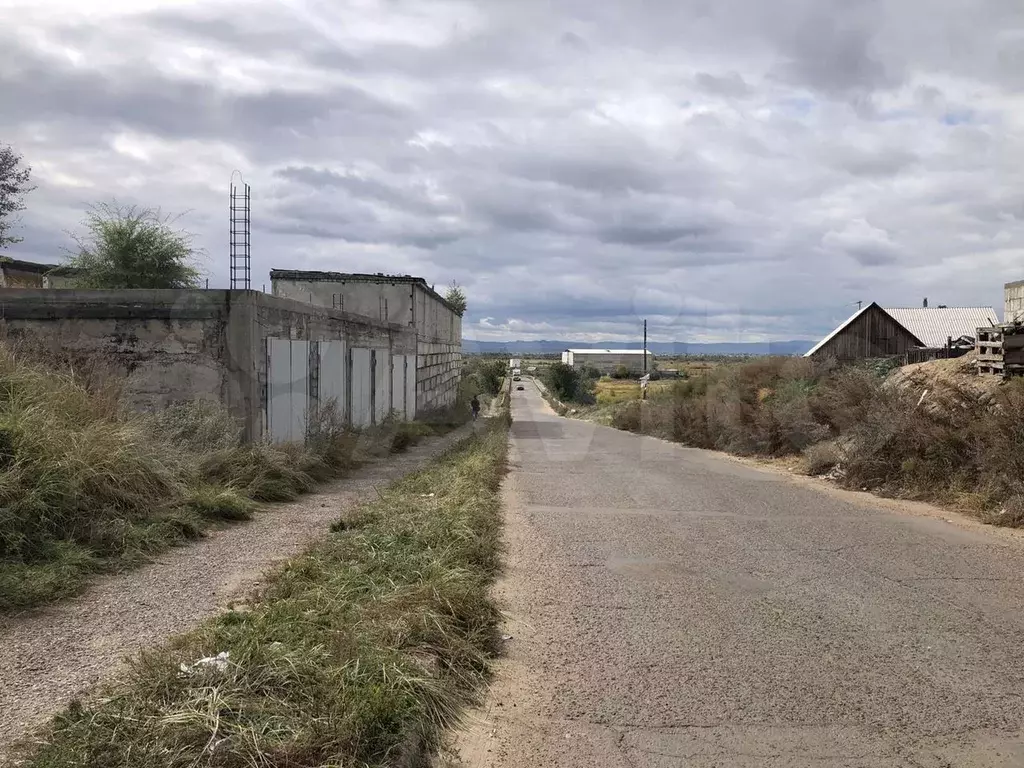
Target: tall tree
<point>14,184</point>
<point>131,247</point>
<point>456,296</point>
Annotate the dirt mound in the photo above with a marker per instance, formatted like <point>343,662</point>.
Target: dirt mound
<point>958,375</point>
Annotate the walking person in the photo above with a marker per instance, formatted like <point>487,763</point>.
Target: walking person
<point>475,405</point>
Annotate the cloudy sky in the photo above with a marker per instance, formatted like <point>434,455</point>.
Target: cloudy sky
<point>730,169</point>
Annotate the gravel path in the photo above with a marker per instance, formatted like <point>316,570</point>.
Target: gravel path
<point>49,656</point>
<point>672,607</point>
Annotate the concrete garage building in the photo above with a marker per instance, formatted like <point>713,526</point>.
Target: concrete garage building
<point>608,360</point>
<point>273,363</point>
<point>400,299</point>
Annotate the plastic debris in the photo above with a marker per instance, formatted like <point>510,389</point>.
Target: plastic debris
<point>218,663</point>
<point>426,495</point>
<point>506,638</point>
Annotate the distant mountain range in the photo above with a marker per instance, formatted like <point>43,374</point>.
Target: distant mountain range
<point>673,348</point>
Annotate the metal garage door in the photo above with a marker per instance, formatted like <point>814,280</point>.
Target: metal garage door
<point>382,385</point>
<point>333,386</point>
<point>362,403</point>
<point>410,387</point>
<point>398,385</point>
<point>287,395</point>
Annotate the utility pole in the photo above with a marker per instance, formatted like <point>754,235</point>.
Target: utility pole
<point>644,380</point>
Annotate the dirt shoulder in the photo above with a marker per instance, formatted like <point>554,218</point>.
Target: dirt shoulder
<point>48,657</point>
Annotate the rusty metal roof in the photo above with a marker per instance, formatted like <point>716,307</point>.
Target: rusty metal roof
<point>933,325</point>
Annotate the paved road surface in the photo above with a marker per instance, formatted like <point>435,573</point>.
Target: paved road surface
<point>670,607</point>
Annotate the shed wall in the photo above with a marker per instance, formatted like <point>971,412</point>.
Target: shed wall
<point>873,334</point>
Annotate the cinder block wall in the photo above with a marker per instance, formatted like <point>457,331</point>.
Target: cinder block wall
<point>174,346</point>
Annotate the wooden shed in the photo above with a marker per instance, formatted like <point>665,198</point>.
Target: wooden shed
<point>870,332</point>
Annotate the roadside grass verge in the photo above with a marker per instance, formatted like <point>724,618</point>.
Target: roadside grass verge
<point>360,652</point>
<point>947,446</point>
<point>87,488</point>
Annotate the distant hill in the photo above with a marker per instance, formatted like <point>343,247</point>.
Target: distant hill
<point>673,348</point>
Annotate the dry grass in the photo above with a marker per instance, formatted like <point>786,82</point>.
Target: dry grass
<point>361,652</point>
<point>85,487</point>
<point>611,391</point>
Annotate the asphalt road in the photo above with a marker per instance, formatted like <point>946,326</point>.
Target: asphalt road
<point>673,607</point>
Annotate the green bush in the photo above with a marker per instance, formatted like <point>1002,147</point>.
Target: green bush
<point>570,385</point>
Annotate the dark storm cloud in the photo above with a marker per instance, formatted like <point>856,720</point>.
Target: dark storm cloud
<point>406,199</point>
<point>730,84</point>
<point>178,108</point>
<point>832,52</point>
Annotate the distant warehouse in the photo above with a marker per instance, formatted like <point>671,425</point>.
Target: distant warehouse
<point>608,360</point>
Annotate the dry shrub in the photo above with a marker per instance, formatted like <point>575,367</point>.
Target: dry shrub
<point>822,458</point>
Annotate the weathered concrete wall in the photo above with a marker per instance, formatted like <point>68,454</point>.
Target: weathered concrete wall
<point>390,302</point>
<point>282,318</point>
<point>175,346</point>
<point>170,345</point>
<point>1013,301</point>
<point>404,301</point>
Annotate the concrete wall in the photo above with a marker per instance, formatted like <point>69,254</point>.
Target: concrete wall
<point>178,346</point>
<point>1013,301</point>
<point>405,301</point>
<point>371,300</point>
<point>170,345</point>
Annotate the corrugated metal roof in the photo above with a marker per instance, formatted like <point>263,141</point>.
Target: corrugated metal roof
<point>933,325</point>
<point>608,351</point>
<point>838,328</point>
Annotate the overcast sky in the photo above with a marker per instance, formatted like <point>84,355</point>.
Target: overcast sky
<point>730,169</point>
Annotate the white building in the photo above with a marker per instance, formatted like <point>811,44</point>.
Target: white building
<point>608,360</point>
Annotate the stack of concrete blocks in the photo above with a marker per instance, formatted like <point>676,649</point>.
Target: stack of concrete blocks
<point>399,299</point>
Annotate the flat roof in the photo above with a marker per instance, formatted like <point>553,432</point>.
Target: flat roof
<point>35,267</point>
<point>316,276</point>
